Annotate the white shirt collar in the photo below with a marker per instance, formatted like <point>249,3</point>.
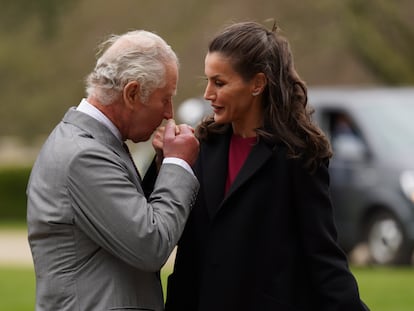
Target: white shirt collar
<point>95,113</point>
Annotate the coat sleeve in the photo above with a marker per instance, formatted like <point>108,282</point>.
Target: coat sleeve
<point>115,214</point>
<point>334,284</point>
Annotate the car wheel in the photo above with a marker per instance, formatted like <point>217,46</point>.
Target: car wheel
<point>386,240</point>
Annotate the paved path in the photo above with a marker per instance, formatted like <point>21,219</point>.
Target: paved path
<point>14,248</point>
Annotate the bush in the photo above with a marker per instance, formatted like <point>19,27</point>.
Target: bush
<point>13,183</point>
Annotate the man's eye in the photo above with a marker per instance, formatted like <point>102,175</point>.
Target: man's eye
<point>218,83</point>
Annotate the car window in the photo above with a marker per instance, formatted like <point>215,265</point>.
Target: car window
<point>393,125</point>
<point>344,134</point>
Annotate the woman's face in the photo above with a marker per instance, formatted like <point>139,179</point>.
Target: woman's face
<point>230,96</point>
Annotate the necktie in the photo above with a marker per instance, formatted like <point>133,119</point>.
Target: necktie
<point>132,160</point>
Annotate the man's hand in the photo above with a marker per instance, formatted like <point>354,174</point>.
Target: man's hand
<point>158,145</point>
<point>179,142</point>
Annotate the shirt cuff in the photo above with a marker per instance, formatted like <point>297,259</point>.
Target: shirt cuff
<point>179,162</point>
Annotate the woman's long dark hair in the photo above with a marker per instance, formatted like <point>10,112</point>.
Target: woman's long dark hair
<point>252,49</point>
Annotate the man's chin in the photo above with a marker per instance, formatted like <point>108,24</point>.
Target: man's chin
<point>140,139</point>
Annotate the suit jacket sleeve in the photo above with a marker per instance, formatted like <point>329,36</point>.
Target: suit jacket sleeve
<point>149,179</point>
<point>117,216</point>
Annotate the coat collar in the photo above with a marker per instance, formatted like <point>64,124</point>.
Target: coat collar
<point>215,165</point>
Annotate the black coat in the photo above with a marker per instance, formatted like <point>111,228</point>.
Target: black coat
<point>268,244</point>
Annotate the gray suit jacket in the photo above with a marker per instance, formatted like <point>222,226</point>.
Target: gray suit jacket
<point>97,242</point>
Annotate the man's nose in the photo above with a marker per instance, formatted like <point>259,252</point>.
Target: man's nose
<point>169,111</point>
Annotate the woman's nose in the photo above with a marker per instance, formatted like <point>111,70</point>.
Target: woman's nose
<point>208,93</point>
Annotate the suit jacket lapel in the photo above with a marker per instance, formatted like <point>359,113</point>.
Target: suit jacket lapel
<point>101,133</point>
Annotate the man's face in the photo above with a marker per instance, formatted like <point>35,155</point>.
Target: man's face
<point>148,116</point>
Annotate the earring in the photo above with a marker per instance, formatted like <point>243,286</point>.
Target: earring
<point>256,93</point>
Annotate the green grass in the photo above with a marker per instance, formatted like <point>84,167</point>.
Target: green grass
<point>386,289</point>
<point>382,289</point>
<point>17,289</point>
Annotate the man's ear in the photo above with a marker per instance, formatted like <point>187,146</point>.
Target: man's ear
<point>131,94</point>
<point>259,83</point>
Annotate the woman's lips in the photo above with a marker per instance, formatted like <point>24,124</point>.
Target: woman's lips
<point>216,109</point>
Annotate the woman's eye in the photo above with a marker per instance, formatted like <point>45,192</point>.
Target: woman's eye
<point>218,83</point>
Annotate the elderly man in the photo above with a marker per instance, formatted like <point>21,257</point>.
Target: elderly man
<point>98,242</point>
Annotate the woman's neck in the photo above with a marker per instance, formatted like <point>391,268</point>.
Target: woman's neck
<point>244,133</point>
<point>247,129</point>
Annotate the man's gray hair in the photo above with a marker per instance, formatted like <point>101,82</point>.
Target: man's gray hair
<point>134,56</point>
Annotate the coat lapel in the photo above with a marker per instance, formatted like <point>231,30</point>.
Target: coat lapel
<point>258,156</point>
<point>214,172</point>
<point>215,159</point>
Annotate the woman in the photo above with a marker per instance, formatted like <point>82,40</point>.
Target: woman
<point>261,235</point>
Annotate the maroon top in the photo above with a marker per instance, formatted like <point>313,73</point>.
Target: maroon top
<point>238,152</point>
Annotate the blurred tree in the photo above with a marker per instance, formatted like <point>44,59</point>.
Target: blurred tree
<point>382,37</point>
<point>28,32</point>
<point>47,46</point>
<point>17,13</point>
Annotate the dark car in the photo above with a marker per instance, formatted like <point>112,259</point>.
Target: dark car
<point>372,170</point>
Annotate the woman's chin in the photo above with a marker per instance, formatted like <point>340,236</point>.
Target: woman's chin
<point>219,119</point>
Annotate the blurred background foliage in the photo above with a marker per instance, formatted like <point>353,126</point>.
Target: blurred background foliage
<point>382,38</point>
<point>13,181</point>
<point>48,47</point>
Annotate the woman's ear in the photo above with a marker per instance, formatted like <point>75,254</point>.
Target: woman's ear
<point>131,94</point>
<point>259,83</point>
